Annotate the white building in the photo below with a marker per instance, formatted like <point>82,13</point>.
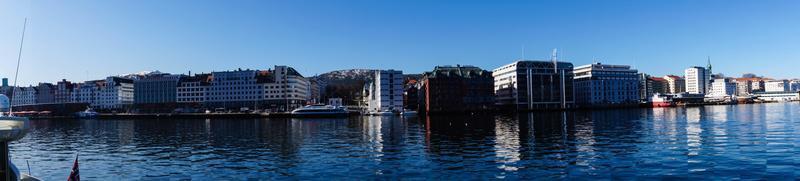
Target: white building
<point>675,84</point>
<point>600,84</point>
<point>24,96</point>
<point>117,93</point>
<point>88,92</point>
<point>777,86</point>
<point>281,89</point>
<point>723,88</point>
<point>697,80</point>
<point>193,89</point>
<point>386,92</point>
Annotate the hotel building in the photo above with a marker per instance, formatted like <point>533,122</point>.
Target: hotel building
<point>777,86</point>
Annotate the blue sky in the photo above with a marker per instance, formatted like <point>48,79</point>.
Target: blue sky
<point>81,40</point>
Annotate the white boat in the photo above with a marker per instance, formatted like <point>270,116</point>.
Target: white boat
<point>88,113</point>
<point>408,112</point>
<point>320,111</point>
<point>383,113</point>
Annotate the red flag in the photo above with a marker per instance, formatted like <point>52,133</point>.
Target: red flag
<point>75,174</point>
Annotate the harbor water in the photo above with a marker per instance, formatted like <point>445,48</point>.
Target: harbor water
<point>756,141</point>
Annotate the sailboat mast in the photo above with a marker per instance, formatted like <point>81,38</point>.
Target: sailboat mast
<point>16,74</point>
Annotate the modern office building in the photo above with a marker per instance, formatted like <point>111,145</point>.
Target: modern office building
<point>63,93</point>
<point>386,92</point>
<point>600,84</point>
<point>675,84</point>
<point>777,86</point>
<point>455,89</point>
<point>697,80</point>
<point>45,93</point>
<point>156,88</point>
<point>534,85</point>
<point>723,88</point>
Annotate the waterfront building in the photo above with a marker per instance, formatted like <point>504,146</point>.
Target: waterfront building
<point>386,92</point>
<point>156,88</point>
<point>64,92</point>
<point>457,89</point>
<point>723,88</point>
<point>88,92</point>
<point>116,94</point>
<point>697,80</point>
<point>5,103</point>
<point>156,92</point>
<point>45,93</point>
<point>600,85</point>
<point>649,86</point>
<point>411,96</point>
<point>758,84</point>
<point>314,91</point>
<point>5,82</point>
<point>193,90</point>
<point>794,85</point>
<point>534,85</point>
<point>675,84</point>
<point>777,86</point>
<point>744,87</point>
<point>280,89</point>
<point>24,96</point>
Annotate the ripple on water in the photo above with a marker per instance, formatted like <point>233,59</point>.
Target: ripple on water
<point>724,142</point>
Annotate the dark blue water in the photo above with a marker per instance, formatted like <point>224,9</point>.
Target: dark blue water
<point>759,141</point>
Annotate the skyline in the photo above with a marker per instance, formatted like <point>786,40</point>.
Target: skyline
<point>655,37</point>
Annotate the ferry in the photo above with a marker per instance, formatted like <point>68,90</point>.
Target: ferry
<point>662,100</point>
<point>320,111</point>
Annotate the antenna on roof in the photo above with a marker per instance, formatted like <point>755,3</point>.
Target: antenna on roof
<point>554,58</point>
<point>523,52</point>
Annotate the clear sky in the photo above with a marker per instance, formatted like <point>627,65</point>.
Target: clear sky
<point>84,39</point>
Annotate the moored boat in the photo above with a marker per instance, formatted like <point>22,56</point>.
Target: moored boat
<point>662,100</point>
<point>320,111</point>
<point>87,114</point>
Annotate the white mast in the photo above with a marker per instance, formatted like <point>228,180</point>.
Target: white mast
<point>16,74</point>
<point>554,58</point>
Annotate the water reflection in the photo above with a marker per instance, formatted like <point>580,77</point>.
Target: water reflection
<point>727,142</point>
